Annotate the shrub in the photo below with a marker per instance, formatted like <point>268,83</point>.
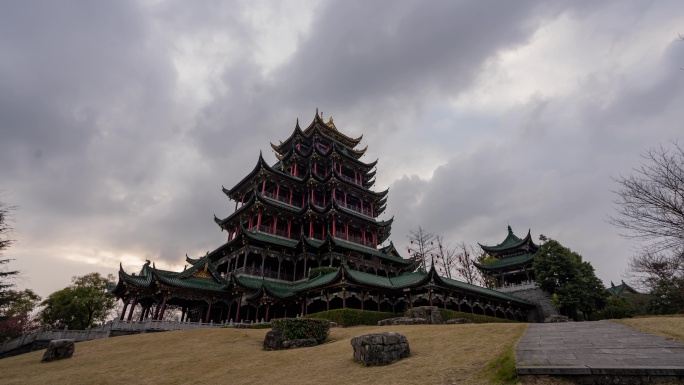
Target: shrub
<point>309,328</point>
<point>353,317</point>
<point>476,318</point>
<point>261,326</point>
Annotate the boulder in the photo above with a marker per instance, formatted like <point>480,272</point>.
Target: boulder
<point>459,321</point>
<point>299,343</point>
<point>59,349</point>
<point>402,321</point>
<point>430,313</point>
<point>556,318</point>
<point>274,340</point>
<point>380,349</point>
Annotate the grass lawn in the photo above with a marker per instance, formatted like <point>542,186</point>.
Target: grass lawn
<point>671,326</point>
<point>440,354</point>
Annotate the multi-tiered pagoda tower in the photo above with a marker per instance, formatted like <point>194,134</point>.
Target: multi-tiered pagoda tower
<point>303,238</point>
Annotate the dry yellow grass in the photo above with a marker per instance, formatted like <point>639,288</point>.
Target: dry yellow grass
<point>666,326</point>
<point>441,354</point>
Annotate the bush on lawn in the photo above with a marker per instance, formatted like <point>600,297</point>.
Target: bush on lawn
<point>302,328</point>
<point>353,317</point>
<point>476,318</point>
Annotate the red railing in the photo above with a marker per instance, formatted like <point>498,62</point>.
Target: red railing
<point>271,231</point>
<point>279,199</point>
<point>358,209</point>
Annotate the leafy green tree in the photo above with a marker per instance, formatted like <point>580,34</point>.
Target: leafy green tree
<point>81,305</point>
<point>16,315</point>
<point>667,296</point>
<point>618,307</point>
<point>571,282</point>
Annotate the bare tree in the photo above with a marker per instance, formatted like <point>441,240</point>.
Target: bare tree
<point>650,202</point>
<point>647,268</point>
<point>422,246</point>
<point>445,257</point>
<point>6,275</point>
<point>650,206</point>
<point>466,266</point>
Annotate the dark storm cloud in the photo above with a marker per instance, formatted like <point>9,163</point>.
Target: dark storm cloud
<point>102,151</point>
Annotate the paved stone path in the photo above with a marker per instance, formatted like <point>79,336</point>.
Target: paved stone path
<point>597,348</point>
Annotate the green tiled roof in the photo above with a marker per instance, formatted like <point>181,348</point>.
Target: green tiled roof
<point>369,250</point>
<point>507,262</point>
<point>259,236</point>
<point>192,283</point>
<point>621,290</point>
<point>408,279</point>
<point>319,281</point>
<point>482,290</point>
<point>400,282</point>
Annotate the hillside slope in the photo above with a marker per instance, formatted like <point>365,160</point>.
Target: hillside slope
<point>452,354</point>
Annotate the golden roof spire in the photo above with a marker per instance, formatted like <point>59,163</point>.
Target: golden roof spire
<point>331,124</point>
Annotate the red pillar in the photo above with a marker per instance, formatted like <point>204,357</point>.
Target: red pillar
<point>123,312</point>
<point>346,230</point>
<point>268,308</point>
<point>163,309</point>
<point>289,227</point>
<point>206,319</point>
<point>275,224</point>
<point>130,314</point>
<point>237,312</point>
<point>263,187</point>
<point>310,227</point>
<point>290,196</point>
<point>334,229</point>
<point>259,221</point>
<point>236,203</point>
<point>277,190</point>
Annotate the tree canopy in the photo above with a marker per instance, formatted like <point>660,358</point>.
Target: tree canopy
<point>16,315</point>
<point>81,305</point>
<point>572,283</point>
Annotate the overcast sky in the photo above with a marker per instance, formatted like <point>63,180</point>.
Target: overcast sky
<point>120,121</point>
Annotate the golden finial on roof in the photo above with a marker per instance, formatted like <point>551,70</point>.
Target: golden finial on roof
<point>331,124</point>
<point>206,266</point>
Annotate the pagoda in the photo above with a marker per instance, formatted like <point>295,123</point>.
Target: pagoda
<point>513,262</point>
<point>304,236</point>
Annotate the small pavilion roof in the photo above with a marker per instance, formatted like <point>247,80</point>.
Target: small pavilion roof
<point>621,290</point>
<point>511,242</point>
<point>506,263</point>
<point>200,276</point>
